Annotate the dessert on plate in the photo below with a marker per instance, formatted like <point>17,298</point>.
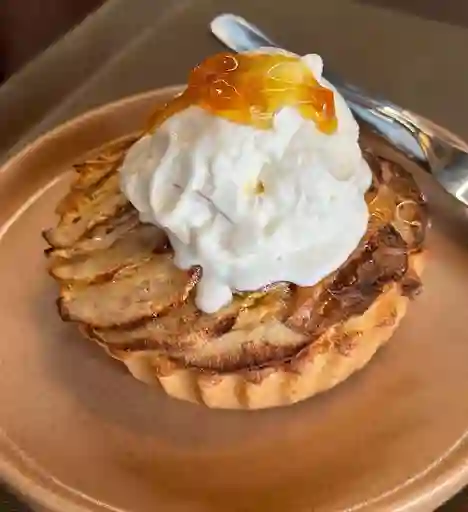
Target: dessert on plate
<point>247,250</point>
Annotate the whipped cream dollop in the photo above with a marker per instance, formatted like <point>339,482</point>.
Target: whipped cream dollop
<point>251,206</point>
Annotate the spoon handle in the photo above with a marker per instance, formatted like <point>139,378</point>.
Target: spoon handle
<point>436,150</point>
<point>393,122</point>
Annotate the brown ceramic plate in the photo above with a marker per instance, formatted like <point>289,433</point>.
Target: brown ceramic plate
<point>78,433</point>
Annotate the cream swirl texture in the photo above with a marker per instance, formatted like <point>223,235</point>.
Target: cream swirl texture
<point>250,206</point>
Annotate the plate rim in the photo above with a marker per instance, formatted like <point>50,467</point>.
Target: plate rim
<point>449,472</point>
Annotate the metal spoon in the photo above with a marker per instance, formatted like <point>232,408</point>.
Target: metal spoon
<point>439,152</point>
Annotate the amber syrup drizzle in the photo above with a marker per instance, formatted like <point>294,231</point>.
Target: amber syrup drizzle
<point>251,88</point>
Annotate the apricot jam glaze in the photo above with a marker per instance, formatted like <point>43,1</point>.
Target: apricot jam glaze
<point>251,88</point>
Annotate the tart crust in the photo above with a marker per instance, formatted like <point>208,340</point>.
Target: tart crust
<point>328,361</point>
<point>119,284</point>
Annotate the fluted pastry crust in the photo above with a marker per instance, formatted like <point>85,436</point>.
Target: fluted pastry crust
<point>272,347</point>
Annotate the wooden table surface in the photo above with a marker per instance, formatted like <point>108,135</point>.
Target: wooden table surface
<point>411,51</point>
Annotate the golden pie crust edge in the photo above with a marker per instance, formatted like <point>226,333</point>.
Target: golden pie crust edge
<point>337,354</point>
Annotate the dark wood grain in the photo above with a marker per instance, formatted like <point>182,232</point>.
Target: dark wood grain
<point>9,502</point>
<point>40,23</point>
